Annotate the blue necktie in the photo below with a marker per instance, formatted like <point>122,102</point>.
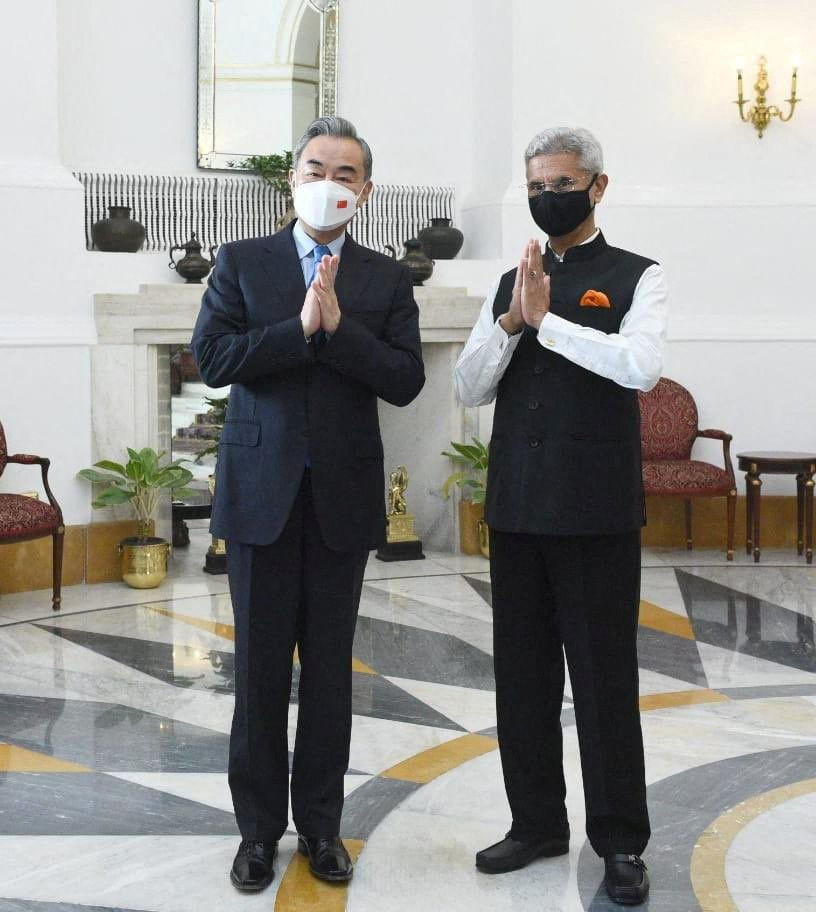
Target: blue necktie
<point>320,336</point>
<point>318,253</point>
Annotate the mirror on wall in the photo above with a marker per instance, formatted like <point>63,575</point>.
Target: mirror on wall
<point>266,69</point>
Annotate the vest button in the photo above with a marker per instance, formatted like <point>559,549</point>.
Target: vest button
<point>533,404</point>
<point>538,369</point>
<point>534,442</point>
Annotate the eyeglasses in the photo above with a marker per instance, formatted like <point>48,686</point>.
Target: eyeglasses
<point>562,185</point>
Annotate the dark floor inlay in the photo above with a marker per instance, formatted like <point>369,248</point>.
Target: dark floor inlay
<point>109,736</point>
<point>400,651</point>
<point>93,804</point>
<point>181,666</point>
<point>740,622</point>
<point>481,586</point>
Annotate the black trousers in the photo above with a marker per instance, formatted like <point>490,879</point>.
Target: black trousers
<point>295,591</point>
<point>579,596</point>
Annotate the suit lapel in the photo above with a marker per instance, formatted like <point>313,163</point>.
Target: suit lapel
<point>282,265</point>
<point>353,274</point>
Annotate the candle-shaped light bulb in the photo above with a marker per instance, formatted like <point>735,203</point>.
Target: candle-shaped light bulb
<point>740,65</point>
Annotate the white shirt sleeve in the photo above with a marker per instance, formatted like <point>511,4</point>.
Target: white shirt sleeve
<point>632,357</point>
<point>484,358</point>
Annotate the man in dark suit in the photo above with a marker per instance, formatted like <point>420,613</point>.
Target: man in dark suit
<point>309,329</point>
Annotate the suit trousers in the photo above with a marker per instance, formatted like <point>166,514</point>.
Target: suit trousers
<point>296,591</point>
<point>579,596</point>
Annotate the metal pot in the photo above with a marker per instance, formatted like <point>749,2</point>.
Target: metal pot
<point>144,561</point>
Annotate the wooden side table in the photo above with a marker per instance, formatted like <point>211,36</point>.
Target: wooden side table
<point>803,466</point>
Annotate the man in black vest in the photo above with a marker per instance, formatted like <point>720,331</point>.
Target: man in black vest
<point>563,344</point>
<point>310,329</point>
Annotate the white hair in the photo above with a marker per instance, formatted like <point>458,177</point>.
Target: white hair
<point>574,140</point>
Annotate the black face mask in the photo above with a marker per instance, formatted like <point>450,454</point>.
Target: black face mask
<point>557,214</point>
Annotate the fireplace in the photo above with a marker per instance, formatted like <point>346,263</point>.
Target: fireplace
<point>131,392</point>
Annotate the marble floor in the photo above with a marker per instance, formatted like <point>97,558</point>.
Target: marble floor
<point>114,721</point>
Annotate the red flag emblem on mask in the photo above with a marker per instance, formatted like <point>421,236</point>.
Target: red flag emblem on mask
<point>342,204</point>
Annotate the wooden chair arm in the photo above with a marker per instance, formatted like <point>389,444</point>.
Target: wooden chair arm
<point>715,434</point>
<point>25,459</point>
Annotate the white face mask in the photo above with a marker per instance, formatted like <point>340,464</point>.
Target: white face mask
<point>324,205</point>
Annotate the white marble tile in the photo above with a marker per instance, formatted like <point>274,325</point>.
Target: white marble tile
<point>793,588</point>
<point>142,623</point>
<point>463,563</point>
<point>659,586</point>
<point>726,668</point>
<point>773,854</point>
<point>377,569</point>
<point>96,677</point>
<point>151,873</point>
<point>681,738</point>
<point>211,789</point>
<point>652,682</point>
<point>472,709</point>
<point>378,744</point>
<point>452,593</point>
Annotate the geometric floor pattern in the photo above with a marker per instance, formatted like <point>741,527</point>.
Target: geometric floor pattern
<point>115,715</point>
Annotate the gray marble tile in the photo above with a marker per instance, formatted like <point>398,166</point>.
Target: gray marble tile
<point>107,736</point>
<point>31,905</point>
<point>93,804</point>
<point>368,805</point>
<point>396,650</point>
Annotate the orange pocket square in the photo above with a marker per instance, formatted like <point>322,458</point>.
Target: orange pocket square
<point>595,299</point>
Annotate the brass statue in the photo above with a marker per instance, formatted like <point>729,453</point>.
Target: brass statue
<point>401,542</point>
<point>398,479</point>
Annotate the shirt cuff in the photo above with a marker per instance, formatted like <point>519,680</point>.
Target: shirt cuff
<point>503,342</point>
<point>555,332</point>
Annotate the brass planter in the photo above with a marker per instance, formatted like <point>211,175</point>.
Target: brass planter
<point>470,515</point>
<point>144,561</point>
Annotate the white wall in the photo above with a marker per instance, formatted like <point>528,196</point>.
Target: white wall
<point>447,91</point>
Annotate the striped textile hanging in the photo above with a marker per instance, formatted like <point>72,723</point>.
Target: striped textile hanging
<point>221,209</point>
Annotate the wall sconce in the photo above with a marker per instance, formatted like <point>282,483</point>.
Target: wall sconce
<point>760,113</point>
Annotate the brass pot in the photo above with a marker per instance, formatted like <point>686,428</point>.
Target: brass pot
<point>469,516</point>
<point>484,537</point>
<point>144,561</point>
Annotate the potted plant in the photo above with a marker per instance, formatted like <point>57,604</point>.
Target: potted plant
<point>274,169</point>
<point>140,482</point>
<point>471,481</point>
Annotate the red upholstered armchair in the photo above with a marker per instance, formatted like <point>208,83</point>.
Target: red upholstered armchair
<point>23,518</point>
<point>668,429</point>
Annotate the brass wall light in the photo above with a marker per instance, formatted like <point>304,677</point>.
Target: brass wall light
<point>760,113</point>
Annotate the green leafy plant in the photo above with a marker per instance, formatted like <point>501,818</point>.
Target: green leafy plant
<point>274,169</point>
<point>472,479</point>
<point>217,415</point>
<point>140,482</point>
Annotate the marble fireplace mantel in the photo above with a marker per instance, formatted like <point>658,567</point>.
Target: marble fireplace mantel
<point>130,376</point>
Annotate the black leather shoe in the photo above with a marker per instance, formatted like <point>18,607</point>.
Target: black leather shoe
<point>626,879</point>
<point>510,854</point>
<point>254,866</point>
<point>328,858</point>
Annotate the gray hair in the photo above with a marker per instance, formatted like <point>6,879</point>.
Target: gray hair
<point>574,140</point>
<point>340,128</point>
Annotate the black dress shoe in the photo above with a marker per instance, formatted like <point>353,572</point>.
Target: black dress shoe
<point>254,866</point>
<point>626,879</point>
<point>328,858</point>
<point>510,854</point>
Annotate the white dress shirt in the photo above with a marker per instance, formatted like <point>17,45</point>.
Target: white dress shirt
<point>632,357</point>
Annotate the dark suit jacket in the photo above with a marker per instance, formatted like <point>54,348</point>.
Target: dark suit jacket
<point>291,400</point>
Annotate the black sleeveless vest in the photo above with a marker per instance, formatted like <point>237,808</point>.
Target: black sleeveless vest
<point>565,450</point>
